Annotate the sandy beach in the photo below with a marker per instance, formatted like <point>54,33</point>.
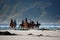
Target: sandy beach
<point>32,35</point>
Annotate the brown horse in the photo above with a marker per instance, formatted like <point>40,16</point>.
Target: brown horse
<point>12,24</point>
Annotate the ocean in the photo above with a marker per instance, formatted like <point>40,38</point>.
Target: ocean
<point>6,27</point>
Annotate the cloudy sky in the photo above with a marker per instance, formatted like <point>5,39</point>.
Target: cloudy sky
<point>45,11</point>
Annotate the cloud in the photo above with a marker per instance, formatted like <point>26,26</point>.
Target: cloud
<point>42,5</point>
<point>58,21</point>
<point>14,11</point>
<point>15,14</point>
<point>43,14</point>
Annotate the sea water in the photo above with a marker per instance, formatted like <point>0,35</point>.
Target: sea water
<point>6,27</point>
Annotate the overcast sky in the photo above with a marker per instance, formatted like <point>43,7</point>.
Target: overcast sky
<point>45,11</point>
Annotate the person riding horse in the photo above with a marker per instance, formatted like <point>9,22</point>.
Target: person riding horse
<point>13,24</point>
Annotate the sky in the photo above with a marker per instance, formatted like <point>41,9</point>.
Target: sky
<point>44,11</point>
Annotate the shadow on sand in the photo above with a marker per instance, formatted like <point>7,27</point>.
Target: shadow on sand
<point>6,33</point>
<point>41,35</point>
<point>46,35</point>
